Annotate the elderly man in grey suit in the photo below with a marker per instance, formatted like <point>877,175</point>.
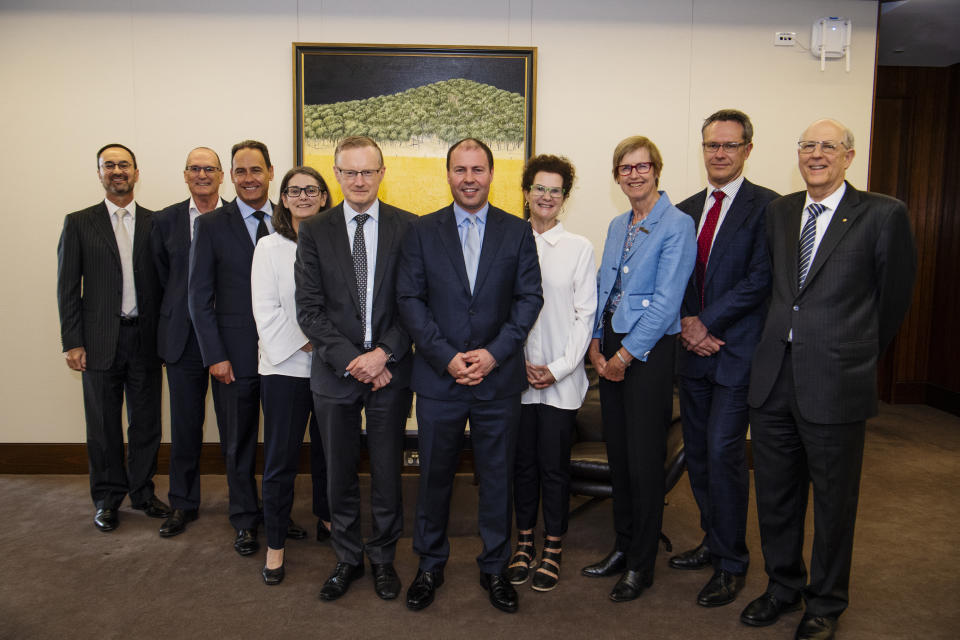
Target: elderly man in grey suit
<point>843,264</point>
<point>109,295</point>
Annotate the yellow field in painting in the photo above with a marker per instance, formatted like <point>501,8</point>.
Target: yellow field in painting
<point>420,185</point>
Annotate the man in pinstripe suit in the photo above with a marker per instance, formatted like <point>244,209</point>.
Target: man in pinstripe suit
<point>108,294</point>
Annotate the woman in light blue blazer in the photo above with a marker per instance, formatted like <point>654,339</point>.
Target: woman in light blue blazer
<point>647,261</point>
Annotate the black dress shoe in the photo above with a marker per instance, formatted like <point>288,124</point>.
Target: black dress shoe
<point>246,542</point>
<point>295,531</point>
<point>693,559</point>
<point>386,582</point>
<point>613,564</point>
<point>766,610</point>
<point>339,581</point>
<point>421,591</point>
<point>722,589</point>
<point>323,533</point>
<point>272,576</point>
<point>630,585</point>
<point>176,522</point>
<point>106,519</point>
<point>154,507</point>
<point>502,594</point>
<point>816,628</point>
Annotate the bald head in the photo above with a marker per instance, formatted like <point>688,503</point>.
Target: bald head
<point>203,175</point>
<point>825,152</point>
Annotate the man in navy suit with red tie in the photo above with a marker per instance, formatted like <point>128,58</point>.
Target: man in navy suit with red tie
<point>468,290</point>
<point>721,316</point>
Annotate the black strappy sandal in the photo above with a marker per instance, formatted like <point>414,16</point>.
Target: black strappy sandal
<point>523,559</point>
<point>548,574</point>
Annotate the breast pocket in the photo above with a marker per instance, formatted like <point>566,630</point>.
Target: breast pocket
<point>640,301</point>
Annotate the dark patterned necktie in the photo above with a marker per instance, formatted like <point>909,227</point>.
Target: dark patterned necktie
<point>807,236</point>
<point>261,225</point>
<point>360,269</point>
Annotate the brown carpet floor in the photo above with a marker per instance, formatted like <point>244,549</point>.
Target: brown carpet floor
<point>61,578</point>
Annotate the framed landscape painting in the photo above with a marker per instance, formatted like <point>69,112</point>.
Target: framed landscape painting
<point>416,101</point>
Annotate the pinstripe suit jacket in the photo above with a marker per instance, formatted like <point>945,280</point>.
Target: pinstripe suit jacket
<point>735,286</point>
<point>171,253</point>
<point>90,284</point>
<point>853,300</point>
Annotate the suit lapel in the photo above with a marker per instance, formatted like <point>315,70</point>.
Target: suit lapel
<point>339,242</point>
<point>385,240</point>
<point>791,236</point>
<point>843,218</point>
<point>239,229</point>
<point>736,215</point>
<point>181,226</point>
<point>695,210</point>
<point>101,220</point>
<point>450,241</point>
<point>650,223</point>
<point>490,247</point>
<point>141,235</point>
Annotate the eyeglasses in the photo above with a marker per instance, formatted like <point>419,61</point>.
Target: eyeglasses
<point>729,147</point>
<point>553,192</point>
<point>123,165</point>
<point>310,190</point>
<point>196,169</point>
<point>828,147</point>
<point>350,174</point>
<point>641,167</point>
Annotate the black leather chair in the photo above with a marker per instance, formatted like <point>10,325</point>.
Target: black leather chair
<point>589,468</point>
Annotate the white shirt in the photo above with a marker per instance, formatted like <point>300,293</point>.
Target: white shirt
<point>275,309</point>
<point>730,191</point>
<point>370,238</point>
<point>562,333</point>
<point>195,213</point>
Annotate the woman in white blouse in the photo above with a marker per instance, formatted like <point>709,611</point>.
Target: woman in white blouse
<point>554,354</point>
<point>285,356</point>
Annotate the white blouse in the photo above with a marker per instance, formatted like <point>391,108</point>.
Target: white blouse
<point>275,309</point>
<point>562,333</point>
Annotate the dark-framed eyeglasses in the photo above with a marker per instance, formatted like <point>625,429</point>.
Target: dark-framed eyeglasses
<point>553,192</point>
<point>641,168</point>
<point>828,147</point>
<point>109,165</point>
<point>729,147</point>
<point>310,190</point>
<point>196,169</point>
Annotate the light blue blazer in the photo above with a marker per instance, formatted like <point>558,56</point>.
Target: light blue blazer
<point>654,276</point>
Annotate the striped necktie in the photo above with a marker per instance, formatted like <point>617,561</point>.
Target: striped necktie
<point>807,236</point>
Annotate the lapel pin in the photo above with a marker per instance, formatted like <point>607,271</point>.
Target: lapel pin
<point>645,230</point>
<point>844,220</point>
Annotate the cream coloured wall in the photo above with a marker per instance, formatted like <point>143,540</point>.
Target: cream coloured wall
<point>164,77</point>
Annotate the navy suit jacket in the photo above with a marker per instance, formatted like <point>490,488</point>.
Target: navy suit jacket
<point>90,284</point>
<point>328,308</point>
<point>171,254</point>
<point>444,318</point>
<point>736,287</point>
<point>218,291</point>
<point>855,296</point>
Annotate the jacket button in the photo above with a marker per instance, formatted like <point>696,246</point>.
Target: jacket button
<point>626,269</point>
<point>796,308</point>
<point>646,303</point>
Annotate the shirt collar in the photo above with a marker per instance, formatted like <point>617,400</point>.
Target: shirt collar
<point>349,213</point>
<point>246,210</point>
<point>112,208</point>
<point>832,201</point>
<point>462,214</point>
<point>729,190</point>
<point>192,208</point>
<point>552,235</point>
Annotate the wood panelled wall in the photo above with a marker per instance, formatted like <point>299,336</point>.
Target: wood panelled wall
<point>916,158</point>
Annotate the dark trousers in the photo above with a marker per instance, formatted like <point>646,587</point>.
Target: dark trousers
<point>542,466</point>
<point>139,379</point>
<point>715,419</point>
<point>239,431</point>
<point>789,454</point>
<point>287,406</point>
<point>187,379</point>
<point>339,424</point>
<point>318,474</point>
<point>636,415</point>
<point>493,434</point>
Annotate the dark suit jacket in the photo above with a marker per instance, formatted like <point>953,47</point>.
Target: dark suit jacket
<point>171,254</point>
<point>856,293</point>
<point>735,289</point>
<point>90,284</point>
<point>218,291</point>
<point>444,319</point>
<point>328,308</point>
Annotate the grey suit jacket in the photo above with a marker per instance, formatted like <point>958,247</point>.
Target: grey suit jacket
<point>90,284</point>
<point>328,307</point>
<point>855,296</point>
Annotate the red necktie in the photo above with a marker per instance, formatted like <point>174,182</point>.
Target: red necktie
<point>706,239</point>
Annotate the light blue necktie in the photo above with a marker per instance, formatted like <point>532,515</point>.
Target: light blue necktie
<point>471,250</point>
<point>807,236</point>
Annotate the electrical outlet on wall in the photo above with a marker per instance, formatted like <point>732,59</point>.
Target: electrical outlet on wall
<point>784,38</point>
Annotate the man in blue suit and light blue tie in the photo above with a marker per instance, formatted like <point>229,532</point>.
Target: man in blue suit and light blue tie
<point>468,290</point>
<point>722,316</point>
